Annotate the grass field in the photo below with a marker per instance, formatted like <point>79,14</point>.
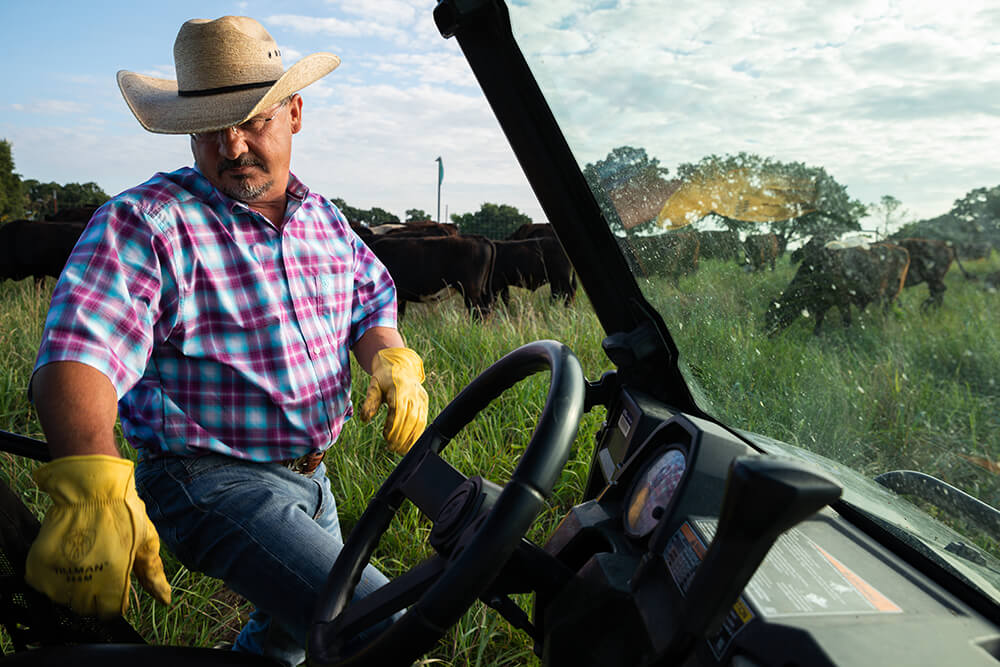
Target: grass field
<point>904,390</point>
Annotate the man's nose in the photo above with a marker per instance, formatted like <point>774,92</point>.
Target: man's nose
<point>231,143</point>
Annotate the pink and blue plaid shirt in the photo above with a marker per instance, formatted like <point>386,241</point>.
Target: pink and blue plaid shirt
<point>220,332</point>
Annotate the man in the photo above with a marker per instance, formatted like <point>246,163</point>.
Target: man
<point>212,309</point>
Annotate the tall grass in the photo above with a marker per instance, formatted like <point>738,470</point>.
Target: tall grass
<point>905,389</point>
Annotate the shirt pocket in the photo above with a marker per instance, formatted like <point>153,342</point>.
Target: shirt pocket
<point>332,298</point>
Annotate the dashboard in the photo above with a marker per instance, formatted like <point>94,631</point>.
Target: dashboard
<point>825,593</point>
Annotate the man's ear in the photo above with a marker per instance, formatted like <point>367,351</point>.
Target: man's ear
<point>295,111</point>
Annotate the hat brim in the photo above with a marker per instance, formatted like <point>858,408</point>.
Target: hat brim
<point>158,108</point>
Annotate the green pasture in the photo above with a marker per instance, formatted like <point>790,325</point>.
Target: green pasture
<point>900,390</point>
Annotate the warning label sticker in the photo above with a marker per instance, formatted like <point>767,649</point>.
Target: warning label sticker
<point>683,554</point>
<point>798,578</point>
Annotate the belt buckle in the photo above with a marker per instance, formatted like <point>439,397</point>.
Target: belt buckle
<point>298,465</point>
<point>306,463</point>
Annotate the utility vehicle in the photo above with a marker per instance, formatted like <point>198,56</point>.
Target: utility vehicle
<point>714,529</point>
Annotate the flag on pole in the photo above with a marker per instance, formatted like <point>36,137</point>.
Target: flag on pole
<point>440,170</point>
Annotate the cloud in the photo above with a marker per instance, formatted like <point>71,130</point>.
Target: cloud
<point>56,107</point>
<point>367,130</point>
<point>334,26</point>
<point>386,12</point>
<point>888,95</point>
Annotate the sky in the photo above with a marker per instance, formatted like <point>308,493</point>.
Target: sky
<point>891,97</point>
<point>372,129</point>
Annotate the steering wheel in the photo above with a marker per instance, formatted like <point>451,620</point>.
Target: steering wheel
<point>477,524</point>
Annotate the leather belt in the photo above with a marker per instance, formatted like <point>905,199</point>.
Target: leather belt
<point>305,464</point>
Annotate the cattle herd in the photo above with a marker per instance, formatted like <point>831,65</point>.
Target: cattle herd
<point>430,261</point>
<point>829,274</point>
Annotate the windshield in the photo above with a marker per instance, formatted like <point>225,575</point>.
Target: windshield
<point>809,197</point>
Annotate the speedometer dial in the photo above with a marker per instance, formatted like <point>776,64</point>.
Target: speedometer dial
<point>653,491</point>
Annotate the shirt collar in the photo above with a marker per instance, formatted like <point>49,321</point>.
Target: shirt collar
<point>296,191</point>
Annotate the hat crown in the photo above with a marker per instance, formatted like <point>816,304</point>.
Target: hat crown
<point>225,52</point>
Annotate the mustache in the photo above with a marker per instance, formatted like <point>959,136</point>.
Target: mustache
<point>242,161</point>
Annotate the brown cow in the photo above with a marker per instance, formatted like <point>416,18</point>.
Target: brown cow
<point>530,263</point>
<point>760,249</point>
<point>673,254</point>
<point>840,277</point>
<point>38,249</point>
<point>929,262</point>
<point>431,268</point>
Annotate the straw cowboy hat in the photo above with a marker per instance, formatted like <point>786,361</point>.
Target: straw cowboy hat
<point>228,70</point>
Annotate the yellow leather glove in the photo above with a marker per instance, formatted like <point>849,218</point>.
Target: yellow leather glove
<point>95,533</point>
<point>396,376</point>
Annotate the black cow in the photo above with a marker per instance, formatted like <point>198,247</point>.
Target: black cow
<point>530,263</point>
<point>37,249</point>
<point>760,249</point>
<point>930,260</point>
<point>717,244</point>
<point>364,231</point>
<point>427,269</point>
<point>425,228</point>
<point>974,250</point>
<point>533,230</point>
<point>840,277</point>
<point>73,214</point>
<point>673,254</point>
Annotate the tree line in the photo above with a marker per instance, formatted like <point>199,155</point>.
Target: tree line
<point>33,200</point>
<point>748,192</point>
<point>29,199</point>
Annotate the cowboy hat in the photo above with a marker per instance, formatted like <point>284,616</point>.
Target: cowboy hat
<point>228,70</point>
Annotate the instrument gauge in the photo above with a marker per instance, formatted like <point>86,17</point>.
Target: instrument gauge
<point>652,492</point>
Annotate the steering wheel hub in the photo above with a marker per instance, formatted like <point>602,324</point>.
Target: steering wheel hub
<point>470,500</point>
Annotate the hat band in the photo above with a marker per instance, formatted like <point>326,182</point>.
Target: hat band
<point>225,89</point>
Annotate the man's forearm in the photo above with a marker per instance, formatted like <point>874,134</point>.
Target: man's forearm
<point>77,407</point>
<point>372,341</point>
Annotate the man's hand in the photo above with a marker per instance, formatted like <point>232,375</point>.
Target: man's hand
<point>95,533</point>
<point>396,376</point>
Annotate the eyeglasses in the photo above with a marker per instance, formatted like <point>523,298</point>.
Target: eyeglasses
<point>254,127</point>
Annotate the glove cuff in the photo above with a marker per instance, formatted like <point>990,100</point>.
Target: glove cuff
<point>400,359</point>
<point>91,477</point>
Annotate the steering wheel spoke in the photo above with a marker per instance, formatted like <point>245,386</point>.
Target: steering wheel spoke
<point>429,483</point>
<point>395,596</point>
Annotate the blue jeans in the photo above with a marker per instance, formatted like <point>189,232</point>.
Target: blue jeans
<point>271,534</point>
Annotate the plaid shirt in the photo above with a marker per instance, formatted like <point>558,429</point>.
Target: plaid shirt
<point>219,332</point>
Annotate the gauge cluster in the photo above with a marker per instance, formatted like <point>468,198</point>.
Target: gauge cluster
<point>644,550</point>
<point>653,490</point>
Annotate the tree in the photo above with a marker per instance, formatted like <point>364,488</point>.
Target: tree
<point>379,216</point>
<point>416,215</point>
<point>629,186</point>
<point>11,187</point>
<point>978,214</point>
<point>495,221</point>
<point>974,218</point>
<point>887,209</point>
<point>746,190</point>
<point>370,217</point>
<point>48,198</point>
<point>352,214</point>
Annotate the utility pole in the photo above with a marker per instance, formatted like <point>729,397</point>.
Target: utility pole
<point>440,179</point>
